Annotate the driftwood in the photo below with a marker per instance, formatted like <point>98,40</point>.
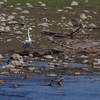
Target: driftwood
<point>57,34</point>
<point>72,33</point>
<point>57,81</point>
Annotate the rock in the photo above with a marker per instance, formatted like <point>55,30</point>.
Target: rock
<point>83,16</point>
<point>16,60</point>
<point>30,62</point>
<point>84,57</point>
<point>74,3</point>
<point>87,11</point>
<point>18,4</point>
<point>85,69</point>
<point>69,24</point>
<point>51,75</point>
<point>8,66</point>
<point>16,63</point>
<point>69,7</point>
<point>1,82</point>
<point>14,13</point>
<point>48,57</point>
<point>5,73</point>
<point>7,29</point>
<point>29,5</point>
<point>31,69</point>
<point>8,40</point>
<point>2,28</point>
<point>43,5</point>
<point>25,12</point>
<point>66,57</point>
<point>60,10</point>
<point>92,25</point>
<point>50,38</point>
<point>1,3</point>
<point>65,65</point>
<point>77,73</point>
<point>50,66</point>
<point>22,17</point>
<point>18,32</point>
<point>5,0</point>
<point>14,86</point>
<point>18,8</point>
<point>1,57</point>
<point>86,1</point>
<point>10,17</point>
<point>2,19</point>
<point>44,24</point>
<point>30,55</point>
<point>85,61</point>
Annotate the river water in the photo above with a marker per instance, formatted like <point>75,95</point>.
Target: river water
<point>74,88</point>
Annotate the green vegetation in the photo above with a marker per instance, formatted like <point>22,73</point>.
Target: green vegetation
<point>55,2</point>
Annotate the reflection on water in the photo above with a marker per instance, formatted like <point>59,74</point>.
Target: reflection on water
<point>74,88</point>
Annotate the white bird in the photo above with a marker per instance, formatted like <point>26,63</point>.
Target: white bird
<point>27,42</point>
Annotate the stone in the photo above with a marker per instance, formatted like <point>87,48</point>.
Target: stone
<point>7,28</point>
<point>50,38</point>
<point>85,61</point>
<point>11,17</point>
<point>30,55</point>
<point>2,19</point>
<point>77,73</point>
<point>1,82</point>
<point>16,60</point>
<point>48,57</point>
<point>31,69</point>
<point>29,5</point>
<point>44,24</point>
<point>92,25</point>
<point>25,12</point>
<point>43,5</point>
<point>83,16</point>
<point>18,4</point>
<point>22,17</point>
<point>84,57</point>
<point>1,57</point>
<point>51,75</point>
<point>74,3</point>
<point>60,10</point>
<point>50,66</point>
<point>18,32</point>
<point>65,65</point>
<point>8,66</point>
<point>66,57</point>
<point>18,8</point>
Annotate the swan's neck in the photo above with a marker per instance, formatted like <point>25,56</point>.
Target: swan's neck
<point>29,35</point>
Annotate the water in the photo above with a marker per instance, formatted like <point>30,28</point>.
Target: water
<point>41,63</point>
<point>74,88</point>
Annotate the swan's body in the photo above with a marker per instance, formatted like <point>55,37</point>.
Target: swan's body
<point>27,42</point>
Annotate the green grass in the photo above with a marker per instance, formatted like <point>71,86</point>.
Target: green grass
<point>55,2</point>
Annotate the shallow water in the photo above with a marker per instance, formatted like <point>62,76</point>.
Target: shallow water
<point>40,63</point>
<point>74,88</point>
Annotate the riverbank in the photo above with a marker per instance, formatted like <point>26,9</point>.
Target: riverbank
<point>71,35</point>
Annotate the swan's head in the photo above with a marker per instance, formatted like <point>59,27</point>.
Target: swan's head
<point>30,28</point>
